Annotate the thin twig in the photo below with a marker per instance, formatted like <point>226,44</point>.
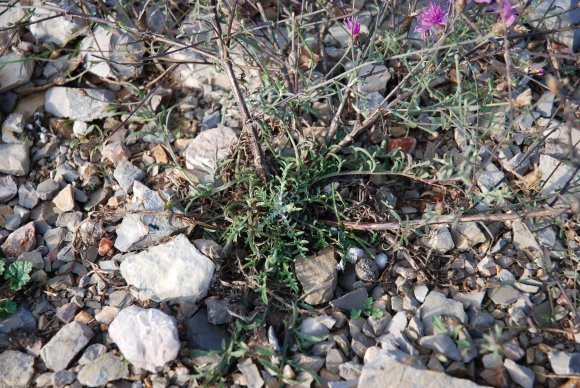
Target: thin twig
<point>448,219</point>
<point>249,122</point>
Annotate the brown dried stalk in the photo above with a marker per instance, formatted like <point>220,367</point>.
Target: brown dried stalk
<point>249,122</point>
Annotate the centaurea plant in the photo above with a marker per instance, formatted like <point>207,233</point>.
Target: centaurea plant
<point>432,19</point>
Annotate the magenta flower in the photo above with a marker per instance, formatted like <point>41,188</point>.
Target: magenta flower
<point>353,26</point>
<point>431,19</point>
<point>508,13</point>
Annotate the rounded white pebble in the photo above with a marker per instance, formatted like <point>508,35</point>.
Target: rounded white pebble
<point>354,254</point>
<point>382,260</point>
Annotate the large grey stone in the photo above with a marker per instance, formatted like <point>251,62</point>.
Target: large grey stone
<point>112,53</point>
<point>352,300</point>
<point>16,368</point>
<point>65,345</point>
<point>21,240</point>
<point>21,319</point>
<point>251,373</point>
<point>126,174</point>
<point>105,368</point>
<point>11,127</point>
<point>374,78</point>
<point>10,14</point>
<point>190,74</point>
<point>210,147</point>
<point>520,374</point>
<point>147,337</point>
<point>440,240</point>
<point>467,235</point>
<point>27,196</point>
<point>443,344</point>
<point>15,70</point>
<point>557,15</point>
<point>175,270</point>
<point>78,104</point>
<point>8,188</point>
<point>130,231</point>
<point>57,30</point>
<point>14,159</point>
<point>317,275</point>
<point>436,304</point>
<point>201,334</point>
<point>46,189</point>
<point>385,372</point>
<point>556,174</point>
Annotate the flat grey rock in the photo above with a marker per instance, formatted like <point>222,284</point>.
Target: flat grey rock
<point>556,175</point>
<point>436,304</point>
<point>27,196</point>
<point>443,344</point>
<point>385,372</point>
<point>504,295</point>
<point>217,311</point>
<point>467,235</point>
<point>63,378</point>
<point>557,15</point>
<point>11,127</point>
<point>520,374</point>
<point>102,370</point>
<point>317,275</point>
<point>147,338</point>
<point>78,104</point>
<point>91,353</point>
<point>251,373</point>
<point>126,174</point>
<point>440,240</point>
<point>21,240</point>
<point>207,149</point>
<point>65,345</point>
<point>47,28</point>
<point>8,188</point>
<point>22,319</point>
<point>16,368</point>
<point>46,189</point>
<point>174,271</point>
<point>107,51</point>
<point>352,300</point>
<point>16,71</point>
<point>14,159</point>
<point>129,232</point>
<point>489,179</point>
<point>201,334</point>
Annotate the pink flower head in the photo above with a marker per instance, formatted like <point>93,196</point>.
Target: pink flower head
<point>353,26</point>
<point>509,12</point>
<point>431,19</point>
<point>483,1</point>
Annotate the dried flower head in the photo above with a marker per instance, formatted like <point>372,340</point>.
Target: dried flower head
<point>353,26</point>
<point>432,19</point>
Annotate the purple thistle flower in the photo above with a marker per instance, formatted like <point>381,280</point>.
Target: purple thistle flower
<point>431,19</point>
<point>353,26</point>
<point>509,12</point>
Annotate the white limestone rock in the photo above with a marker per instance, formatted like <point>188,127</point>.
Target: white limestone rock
<point>205,151</point>
<point>57,30</point>
<point>109,53</point>
<point>15,70</point>
<point>77,103</point>
<point>174,271</point>
<point>147,338</point>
